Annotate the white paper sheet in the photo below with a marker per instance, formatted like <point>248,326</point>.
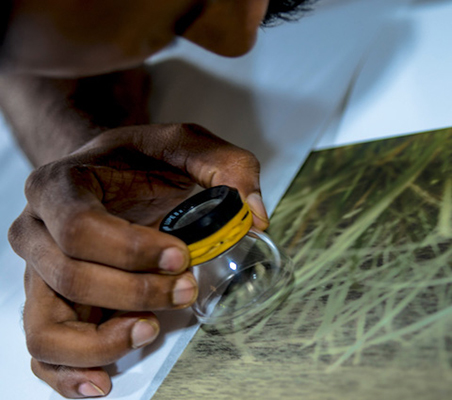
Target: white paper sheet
<point>405,82</point>
<point>276,102</point>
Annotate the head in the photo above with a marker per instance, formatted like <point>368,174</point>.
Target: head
<point>80,37</point>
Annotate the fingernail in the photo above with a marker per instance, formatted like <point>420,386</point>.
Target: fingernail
<point>256,204</point>
<point>185,291</point>
<point>144,331</point>
<point>173,259</point>
<point>89,389</point>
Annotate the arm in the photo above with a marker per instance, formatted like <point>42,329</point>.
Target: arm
<point>88,232</point>
<point>53,117</point>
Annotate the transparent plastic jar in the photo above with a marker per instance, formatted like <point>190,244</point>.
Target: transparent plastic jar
<point>242,275</point>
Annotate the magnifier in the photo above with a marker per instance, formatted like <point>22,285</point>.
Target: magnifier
<point>241,273</point>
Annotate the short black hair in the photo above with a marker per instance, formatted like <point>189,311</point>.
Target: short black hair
<point>286,10</point>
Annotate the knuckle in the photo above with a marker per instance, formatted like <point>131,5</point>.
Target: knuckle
<point>39,179</point>
<point>140,294</point>
<point>144,294</point>
<point>33,182</point>
<point>68,278</point>
<point>238,162</point>
<point>16,235</point>
<point>190,131</point>
<point>71,233</point>
<point>246,159</point>
<point>172,135</point>
<point>35,340</point>
<point>57,376</point>
<point>137,253</point>
<point>70,285</point>
<point>37,369</point>
<point>45,184</point>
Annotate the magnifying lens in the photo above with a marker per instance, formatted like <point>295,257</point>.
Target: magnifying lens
<point>241,273</point>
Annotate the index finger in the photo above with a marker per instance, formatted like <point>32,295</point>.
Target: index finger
<point>70,206</point>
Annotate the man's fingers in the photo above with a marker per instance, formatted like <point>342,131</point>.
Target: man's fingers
<point>103,238</point>
<point>70,205</point>
<point>206,158</point>
<point>73,383</point>
<point>99,285</point>
<point>68,195</point>
<point>59,334</point>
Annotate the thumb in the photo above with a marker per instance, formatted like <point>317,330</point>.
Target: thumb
<point>213,161</point>
<point>206,158</point>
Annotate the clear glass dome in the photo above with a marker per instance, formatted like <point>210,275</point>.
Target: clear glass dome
<point>243,284</point>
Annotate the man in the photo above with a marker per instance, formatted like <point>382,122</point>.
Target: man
<point>96,264</point>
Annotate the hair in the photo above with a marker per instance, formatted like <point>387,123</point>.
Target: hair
<point>286,10</point>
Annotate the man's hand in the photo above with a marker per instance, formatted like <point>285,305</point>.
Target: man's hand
<point>96,263</point>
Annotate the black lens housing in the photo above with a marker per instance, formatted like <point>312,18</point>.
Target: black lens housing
<point>208,223</point>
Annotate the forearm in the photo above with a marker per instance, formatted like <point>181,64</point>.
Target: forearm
<point>51,118</point>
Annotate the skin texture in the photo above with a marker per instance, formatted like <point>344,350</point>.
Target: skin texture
<point>96,267</point>
<point>100,205</point>
<point>108,35</point>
